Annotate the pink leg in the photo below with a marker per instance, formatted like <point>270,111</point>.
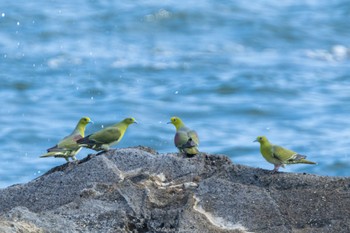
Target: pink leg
<point>276,168</point>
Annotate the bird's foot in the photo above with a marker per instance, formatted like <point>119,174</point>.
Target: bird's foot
<point>275,170</point>
<point>74,161</point>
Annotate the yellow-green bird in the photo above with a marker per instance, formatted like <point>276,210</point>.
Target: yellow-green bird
<point>105,138</point>
<point>278,155</point>
<point>186,140</point>
<point>68,146</point>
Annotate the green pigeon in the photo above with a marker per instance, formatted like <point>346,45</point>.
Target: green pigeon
<point>105,138</point>
<point>186,140</point>
<point>278,155</point>
<point>68,146</point>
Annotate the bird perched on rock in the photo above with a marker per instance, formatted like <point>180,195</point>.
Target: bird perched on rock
<point>186,140</point>
<point>105,138</point>
<point>278,155</point>
<point>68,146</point>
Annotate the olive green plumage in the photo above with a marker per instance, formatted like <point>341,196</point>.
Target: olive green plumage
<point>186,140</point>
<point>68,146</point>
<point>278,155</point>
<point>105,138</point>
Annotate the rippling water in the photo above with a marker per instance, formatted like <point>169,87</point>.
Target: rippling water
<point>232,70</point>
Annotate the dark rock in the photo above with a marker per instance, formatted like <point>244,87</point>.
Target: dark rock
<point>139,190</point>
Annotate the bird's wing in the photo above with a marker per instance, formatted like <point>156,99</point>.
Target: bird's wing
<point>186,138</point>
<point>181,138</point>
<point>105,136</point>
<point>54,148</point>
<point>67,143</point>
<point>283,154</point>
<point>194,136</point>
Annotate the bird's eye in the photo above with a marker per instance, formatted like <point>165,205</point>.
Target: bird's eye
<point>260,138</point>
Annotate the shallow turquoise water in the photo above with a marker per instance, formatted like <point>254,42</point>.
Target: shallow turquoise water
<point>232,70</point>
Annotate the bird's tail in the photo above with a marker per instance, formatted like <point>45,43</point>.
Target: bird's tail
<point>191,150</point>
<point>61,153</point>
<point>50,154</point>
<point>306,161</point>
<point>298,158</point>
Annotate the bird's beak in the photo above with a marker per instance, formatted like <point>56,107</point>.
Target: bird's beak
<point>91,122</point>
<point>169,122</point>
<point>255,140</point>
<point>135,122</point>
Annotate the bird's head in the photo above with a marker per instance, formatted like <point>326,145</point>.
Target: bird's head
<point>176,121</point>
<point>261,139</point>
<point>85,121</point>
<point>129,120</point>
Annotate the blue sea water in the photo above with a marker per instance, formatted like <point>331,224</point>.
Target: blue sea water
<point>232,70</point>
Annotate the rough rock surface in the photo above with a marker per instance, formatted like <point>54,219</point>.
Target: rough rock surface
<point>139,190</point>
